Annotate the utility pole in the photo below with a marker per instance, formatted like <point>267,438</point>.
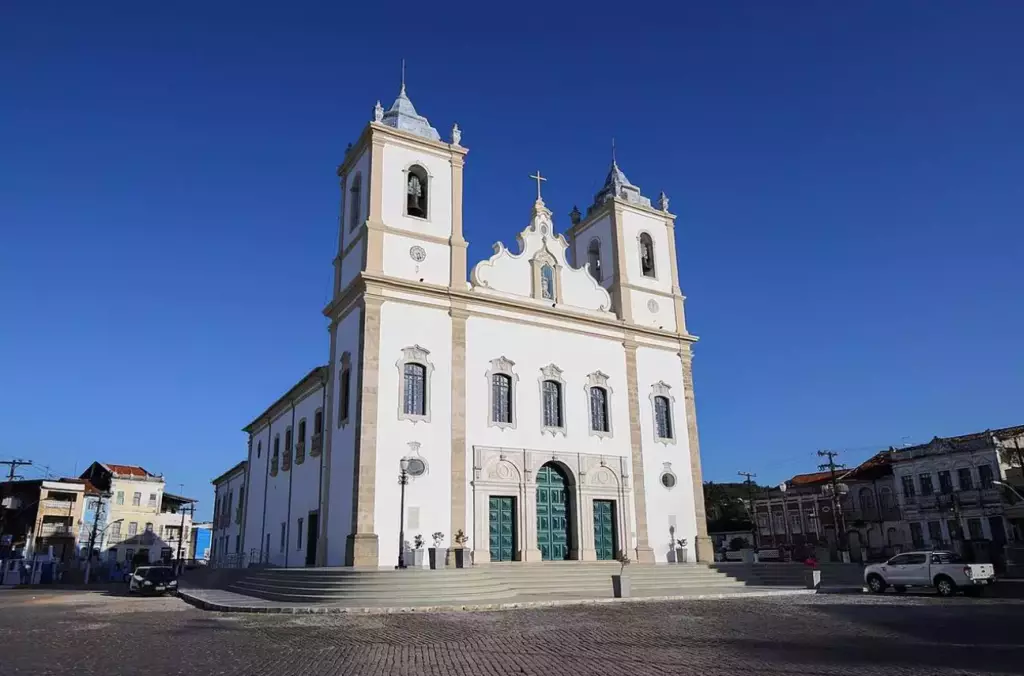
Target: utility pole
<point>750,499</point>
<point>838,522</point>
<point>181,534</point>
<point>14,465</point>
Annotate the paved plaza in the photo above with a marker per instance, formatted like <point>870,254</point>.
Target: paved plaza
<point>81,633</point>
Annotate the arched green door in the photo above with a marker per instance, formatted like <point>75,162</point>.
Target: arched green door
<point>552,513</point>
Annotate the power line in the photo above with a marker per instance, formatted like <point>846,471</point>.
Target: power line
<point>750,501</point>
<point>14,465</point>
<point>838,521</point>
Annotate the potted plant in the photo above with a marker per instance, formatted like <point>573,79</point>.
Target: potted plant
<point>620,583</point>
<point>460,548</point>
<point>417,551</point>
<point>681,550</point>
<point>438,554</point>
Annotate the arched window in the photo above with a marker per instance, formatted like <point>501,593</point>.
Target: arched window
<point>547,282</point>
<point>415,399</point>
<point>662,418</point>
<point>416,196</point>
<point>501,398</point>
<point>355,204</point>
<point>646,255</point>
<point>594,258</point>
<point>259,448</point>
<point>599,409</point>
<point>866,498</point>
<point>552,390</point>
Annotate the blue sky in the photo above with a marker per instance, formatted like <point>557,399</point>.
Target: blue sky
<point>847,178</point>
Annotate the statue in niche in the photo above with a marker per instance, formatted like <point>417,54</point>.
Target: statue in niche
<point>547,282</point>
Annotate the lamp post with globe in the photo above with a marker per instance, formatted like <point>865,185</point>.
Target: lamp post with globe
<point>403,481</point>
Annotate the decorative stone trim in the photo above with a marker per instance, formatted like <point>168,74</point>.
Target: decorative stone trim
<point>662,389</point>
<point>418,465</point>
<point>553,373</point>
<point>599,380</point>
<point>504,366</point>
<point>540,261</point>
<point>668,478</point>
<point>415,355</point>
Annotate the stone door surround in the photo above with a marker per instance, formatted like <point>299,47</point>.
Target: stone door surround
<point>512,472</point>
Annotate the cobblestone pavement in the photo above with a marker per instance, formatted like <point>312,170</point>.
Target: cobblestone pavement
<point>98,633</point>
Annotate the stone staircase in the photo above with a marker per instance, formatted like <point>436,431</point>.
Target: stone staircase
<point>791,574</point>
<point>492,583</point>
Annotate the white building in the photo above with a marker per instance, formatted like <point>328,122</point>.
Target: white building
<point>545,407</point>
<point>141,514</point>
<point>229,496</point>
<point>946,491</point>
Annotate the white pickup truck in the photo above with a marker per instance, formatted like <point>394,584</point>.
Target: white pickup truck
<point>945,571</point>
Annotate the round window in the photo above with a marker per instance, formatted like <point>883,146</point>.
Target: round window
<point>417,467</point>
<point>668,480</point>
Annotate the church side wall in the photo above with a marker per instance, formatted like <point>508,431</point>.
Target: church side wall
<point>339,493</point>
<point>428,497</point>
<point>259,456</point>
<point>665,506</point>
<point>305,488</point>
<point>277,492</point>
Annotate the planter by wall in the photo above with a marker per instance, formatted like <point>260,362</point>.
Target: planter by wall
<point>748,555</point>
<point>681,555</point>
<point>620,586</point>
<point>462,558</point>
<point>414,558</point>
<point>438,557</point>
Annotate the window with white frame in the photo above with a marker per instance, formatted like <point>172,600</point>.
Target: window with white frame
<point>416,192</point>
<point>599,402</point>
<point>552,391</point>
<point>344,388</point>
<point>133,528</point>
<point>594,258</point>
<point>355,203</point>
<point>415,370</point>
<point>646,255</point>
<point>136,499</point>
<point>661,404</point>
<point>502,380</point>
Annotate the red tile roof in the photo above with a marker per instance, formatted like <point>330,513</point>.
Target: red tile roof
<point>809,479</point>
<point>127,470</point>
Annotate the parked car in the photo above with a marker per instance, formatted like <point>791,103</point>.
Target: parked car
<point>945,571</point>
<point>152,580</point>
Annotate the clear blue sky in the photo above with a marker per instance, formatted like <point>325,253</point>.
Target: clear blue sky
<point>847,178</point>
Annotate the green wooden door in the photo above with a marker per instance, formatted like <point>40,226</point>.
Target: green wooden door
<point>604,529</point>
<point>552,514</point>
<point>502,528</point>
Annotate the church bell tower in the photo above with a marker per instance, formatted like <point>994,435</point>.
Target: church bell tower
<point>401,202</point>
<point>629,246</point>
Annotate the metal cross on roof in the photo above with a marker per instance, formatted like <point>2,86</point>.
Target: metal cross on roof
<point>537,177</point>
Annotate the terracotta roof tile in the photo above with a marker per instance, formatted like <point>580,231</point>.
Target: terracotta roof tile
<point>128,470</point>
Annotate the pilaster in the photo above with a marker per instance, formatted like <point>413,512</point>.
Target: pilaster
<point>705,550</point>
<point>374,247</point>
<point>362,540</point>
<point>619,292</point>
<point>458,421</point>
<point>459,246</point>
<point>644,552</point>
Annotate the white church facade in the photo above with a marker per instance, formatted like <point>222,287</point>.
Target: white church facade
<point>542,402</point>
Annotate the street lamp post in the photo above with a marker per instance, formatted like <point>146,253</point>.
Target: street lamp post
<point>1008,486</point>
<point>403,480</point>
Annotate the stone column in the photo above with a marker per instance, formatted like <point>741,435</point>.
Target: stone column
<point>705,550</point>
<point>362,546</point>
<point>530,550</point>
<point>458,425</point>
<point>643,553</point>
<point>458,243</point>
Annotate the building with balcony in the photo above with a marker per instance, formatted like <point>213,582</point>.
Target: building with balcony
<point>229,501</point>
<point>40,514</point>
<point>864,519</point>
<point>141,516</point>
<point>946,488</point>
